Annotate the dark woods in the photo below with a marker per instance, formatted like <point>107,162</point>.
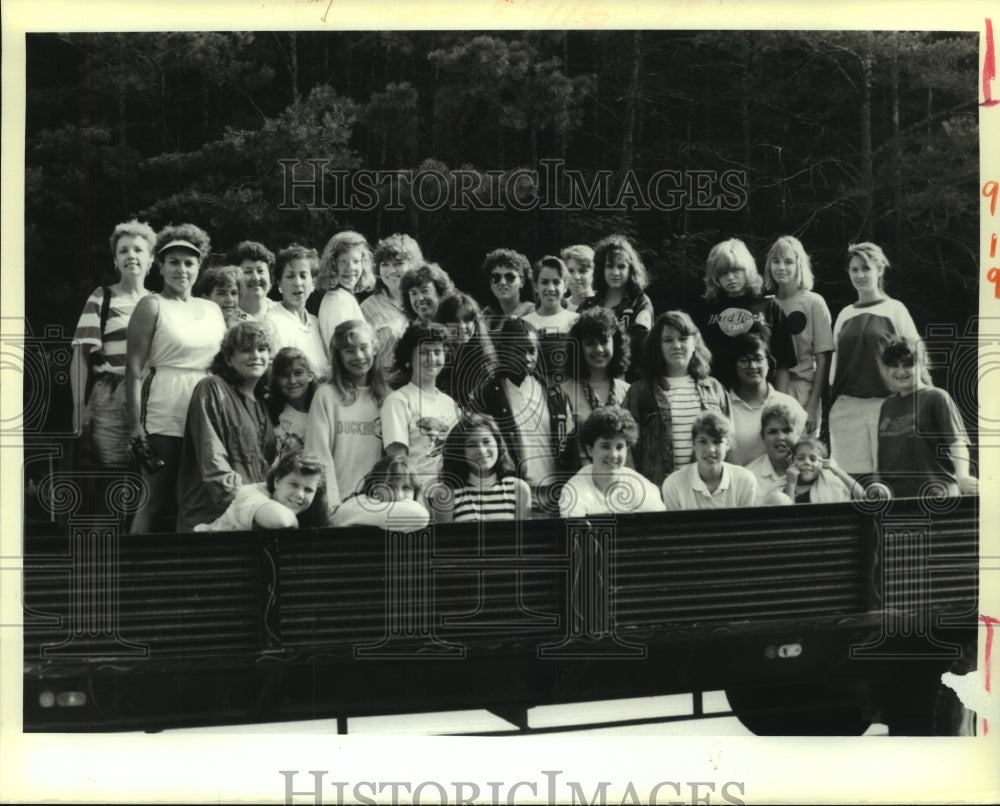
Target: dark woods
<point>834,137</point>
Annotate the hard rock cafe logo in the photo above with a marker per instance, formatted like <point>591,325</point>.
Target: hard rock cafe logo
<point>734,321</point>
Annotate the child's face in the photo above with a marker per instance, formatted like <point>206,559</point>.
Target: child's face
<point>403,491</point>
<point>521,354</point>
<point>784,268</point>
<point>428,361</point>
<point>902,377</point>
<point>391,272</point>
<point>358,356</point>
<point>581,279</point>
<point>733,280</point>
<point>296,490</point>
<point>597,353</point>
<point>227,297</point>
<point>778,437</point>
<point>863,277</point>
<point>608,454</point>
<point>424,300</point>
<point>678,350</point>
<point>461,332</point>
<point>250,363</point>
<point>349,267</point>
<point>551,289</point>
<point>294,383</point>
<point>296,283</point>
<point>506,284</point>
<point>256,279</point>
<point>809,461</point>
<point>616,270</point>
<point>709,452</point>
<point>481,451</point>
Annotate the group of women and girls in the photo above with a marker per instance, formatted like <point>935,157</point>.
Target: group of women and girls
<point>375,392</point>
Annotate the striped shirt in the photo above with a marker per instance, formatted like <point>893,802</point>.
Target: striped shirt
<point>685,406</point>
<point>496,503</point>
<point>88,329</point>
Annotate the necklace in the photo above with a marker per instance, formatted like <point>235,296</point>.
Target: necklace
<point>592,398</point>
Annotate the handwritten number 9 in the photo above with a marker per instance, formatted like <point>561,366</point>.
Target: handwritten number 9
<point>990,191</point>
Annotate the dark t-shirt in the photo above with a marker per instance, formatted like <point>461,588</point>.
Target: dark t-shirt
<point>911,429</point>
<point>720,320</point>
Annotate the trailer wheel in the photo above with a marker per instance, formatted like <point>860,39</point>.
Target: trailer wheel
<point>803,710</point>
<point>929,708</point>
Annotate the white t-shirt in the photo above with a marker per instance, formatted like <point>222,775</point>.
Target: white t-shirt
<point>240,513</point>
<point>288,330</point>
<point>559,322</point>
<point>338,305</point>
<point>291,422</point>
<point>684,489</point>
<point>419,420</point>
<point>629,492</point>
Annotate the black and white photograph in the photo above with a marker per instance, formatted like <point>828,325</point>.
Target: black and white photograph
<point>537,403</point>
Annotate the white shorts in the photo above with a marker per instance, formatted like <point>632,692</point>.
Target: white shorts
<point>854,433</point>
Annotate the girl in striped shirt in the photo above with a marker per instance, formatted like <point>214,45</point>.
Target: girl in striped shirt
<point>477,481</point>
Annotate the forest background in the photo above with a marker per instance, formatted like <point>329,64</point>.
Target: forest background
<point>840,137</point>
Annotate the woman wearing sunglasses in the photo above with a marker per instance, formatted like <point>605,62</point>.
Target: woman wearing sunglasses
<point>750,393</point>
<point>509,275</point>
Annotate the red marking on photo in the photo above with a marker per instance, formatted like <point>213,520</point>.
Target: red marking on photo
<point>989,621</point>
<point>989,66</point>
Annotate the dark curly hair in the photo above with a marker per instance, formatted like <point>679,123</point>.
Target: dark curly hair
<point>191,233</point>
<point>608,422</point>
<point>511,260</point>
<point>415,334</point>
<point>252,250</point>
<point>599,323</point>
<point>425,273</point>
<point>637,277</point>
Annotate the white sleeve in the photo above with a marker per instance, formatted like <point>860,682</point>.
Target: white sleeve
<point>320,436</point>
<point>395,416</point>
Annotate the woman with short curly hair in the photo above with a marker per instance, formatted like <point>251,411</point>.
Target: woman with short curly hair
<point>99,350</point>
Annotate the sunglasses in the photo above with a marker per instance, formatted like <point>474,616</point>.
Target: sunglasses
<point>506,277</point>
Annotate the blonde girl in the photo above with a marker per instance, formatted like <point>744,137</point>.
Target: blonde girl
<point>732,305</point>
<point>343,428</point>
<point>801,328</point>
<point>345,271</point>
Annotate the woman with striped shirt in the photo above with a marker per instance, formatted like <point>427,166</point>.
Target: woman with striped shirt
<point>477,477</point>
<point>674,391</point>
<point>99,349</point>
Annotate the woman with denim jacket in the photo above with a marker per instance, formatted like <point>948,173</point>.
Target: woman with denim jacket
<point>674,390</point>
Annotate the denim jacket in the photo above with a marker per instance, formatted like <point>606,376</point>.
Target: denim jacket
<point>648,404</point>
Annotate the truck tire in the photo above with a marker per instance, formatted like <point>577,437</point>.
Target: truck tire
<point>840,709</point>
<point>929,708</point>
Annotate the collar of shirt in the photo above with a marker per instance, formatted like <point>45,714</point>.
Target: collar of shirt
<point>699,486</point>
